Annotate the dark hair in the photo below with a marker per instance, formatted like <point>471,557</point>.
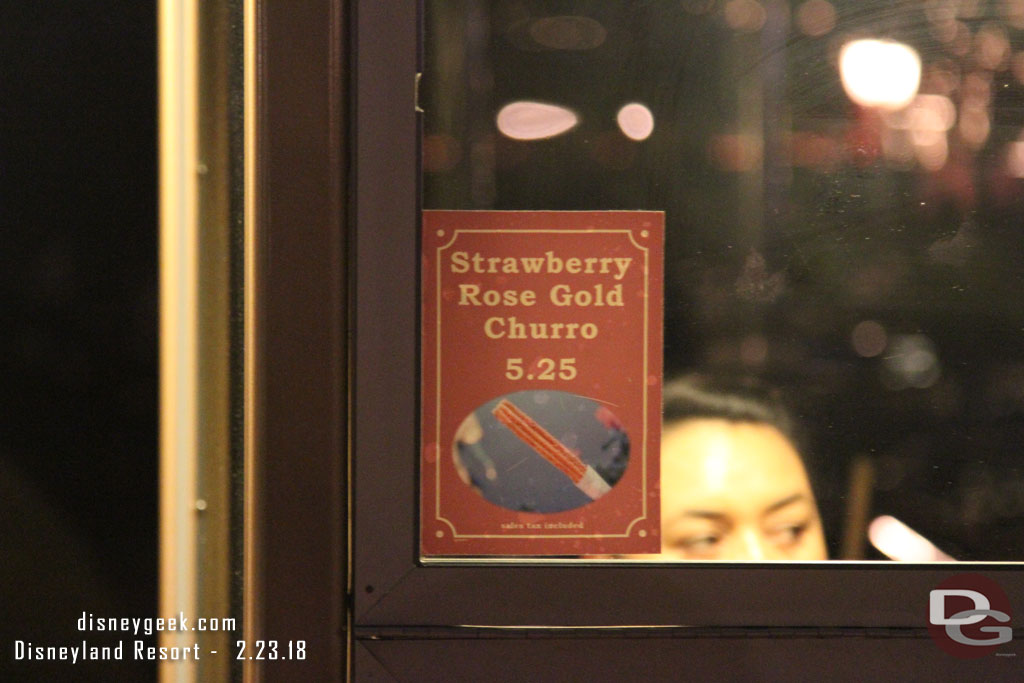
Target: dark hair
<point>739,399</point>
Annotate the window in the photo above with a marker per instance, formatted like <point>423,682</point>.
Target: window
<point>841,190</point>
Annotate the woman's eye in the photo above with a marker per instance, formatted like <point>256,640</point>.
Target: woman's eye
<point>701,543</point>
<point>790,533</point>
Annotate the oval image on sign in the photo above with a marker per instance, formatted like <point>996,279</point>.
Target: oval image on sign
<point>541,451</point>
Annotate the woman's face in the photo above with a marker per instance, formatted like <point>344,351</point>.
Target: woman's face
<point>735,491</point>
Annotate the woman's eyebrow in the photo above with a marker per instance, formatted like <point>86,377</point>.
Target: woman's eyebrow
<point>703,514</point>
<point>788,500</point>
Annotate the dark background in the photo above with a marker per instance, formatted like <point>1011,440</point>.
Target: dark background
<point>78,351</point>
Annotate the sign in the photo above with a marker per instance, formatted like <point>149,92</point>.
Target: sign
<point>541,382</point>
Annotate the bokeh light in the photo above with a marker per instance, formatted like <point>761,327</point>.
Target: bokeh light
<point>934,154</point>
<point>1015,159</point>
<point>815,18</point>
<point>992,47</point>
<point>636,121</point>
<point>880,73</point>
<point>897,541</point>
<point>975,125</point>
<point>754,350</point>
<point>526,120</point>
<point>869,338</point>
<point>919,131</point>
<point>911,361</point>
<point>747,16</point>
<point>1013,13</point>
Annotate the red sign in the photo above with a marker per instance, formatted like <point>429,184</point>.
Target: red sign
<point>541,382</point>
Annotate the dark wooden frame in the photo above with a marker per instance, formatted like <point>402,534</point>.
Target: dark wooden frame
<point>338,272</point>
<point>295,540</point>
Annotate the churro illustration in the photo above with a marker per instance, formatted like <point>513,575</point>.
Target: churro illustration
<point>551,449</point>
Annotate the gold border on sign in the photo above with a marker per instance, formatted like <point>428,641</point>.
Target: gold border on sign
<point>438,364</point>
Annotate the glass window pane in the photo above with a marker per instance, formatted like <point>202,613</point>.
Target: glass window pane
<point>842,191</point>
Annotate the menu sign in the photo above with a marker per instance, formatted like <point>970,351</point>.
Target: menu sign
<point>541,382</point>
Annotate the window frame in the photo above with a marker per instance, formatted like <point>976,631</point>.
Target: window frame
<point>391,586</point>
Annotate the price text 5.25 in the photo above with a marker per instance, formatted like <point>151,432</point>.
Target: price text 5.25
<point>543,369</point>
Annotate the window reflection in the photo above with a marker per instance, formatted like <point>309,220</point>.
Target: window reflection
<point>844,224</point>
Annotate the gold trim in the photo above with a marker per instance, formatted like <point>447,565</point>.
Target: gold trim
<point>251,542</point>
<point>195,62</point>
<point>178,120</point>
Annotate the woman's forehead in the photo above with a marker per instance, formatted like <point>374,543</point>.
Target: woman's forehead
<point>709,459</point>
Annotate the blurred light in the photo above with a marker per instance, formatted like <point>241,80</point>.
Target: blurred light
<point>898,148</point>
<point>745,15</point>
<point>960,45</point>
<point>441,153</point>
<point>636,121</point>
<point>945,30</point>
<point>868,339</point>
<point>969,9</point>
<point>933,154</point>
<point>931,113</point>
<point>943,77</point>
<point>912,361</point>
<point>1013,11</point>
<point>754,350</point>
<point>1015,159</point>
<point>878,73</point>
<point>940,13</point>
<point>977,88</point>
<point>568,33</point>
<point>816,17</point>
<point>926,121</point>
<point>992,47</point>
<point>535,120</point>
<point>927,113</point>
<point>897,541</point>
<point>974,125</point>
<point>736,153</point>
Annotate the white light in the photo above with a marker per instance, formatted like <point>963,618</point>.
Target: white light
<point>912,360</point>
<point>636,121</point>
<point>535,120</point>
<point>880,73</point>
<point>897,541</point>
<point>927,113</point>
<point>1015,159</point>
